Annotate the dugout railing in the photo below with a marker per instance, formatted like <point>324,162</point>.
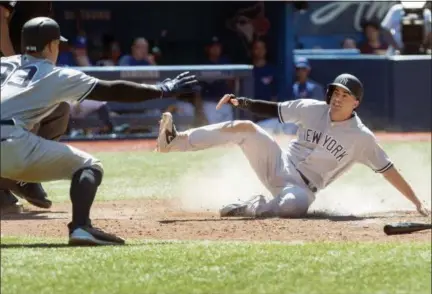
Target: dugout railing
<point>144,116</point>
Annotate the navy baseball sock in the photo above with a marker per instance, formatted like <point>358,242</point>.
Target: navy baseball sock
<point>85,183</point>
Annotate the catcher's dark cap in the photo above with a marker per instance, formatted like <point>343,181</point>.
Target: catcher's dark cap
<point>38,32</point>
<point>348,82</point>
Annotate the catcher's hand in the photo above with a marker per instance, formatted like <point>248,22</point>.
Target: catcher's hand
<point>182,84</point>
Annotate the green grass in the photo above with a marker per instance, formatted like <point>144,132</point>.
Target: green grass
<point>210,267</point>
<point>217,267</point>
<point>131,175</point>
<point>148,174</point>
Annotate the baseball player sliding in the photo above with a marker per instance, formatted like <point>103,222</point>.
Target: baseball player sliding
<point>32,87</point>
<point>330,139</point>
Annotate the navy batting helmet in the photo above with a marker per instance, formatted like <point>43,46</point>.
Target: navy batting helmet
<point>38,32</point>
<point>349,82</point>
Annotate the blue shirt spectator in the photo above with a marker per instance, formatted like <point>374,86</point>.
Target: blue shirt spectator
<point>129,60</point>
<point>139,54</point>
<point>77,56</point>
<point>66,59</point>
<point>304,87</point>
<point>214,90</point>
<point>264,73</point>
<point>265,82</point>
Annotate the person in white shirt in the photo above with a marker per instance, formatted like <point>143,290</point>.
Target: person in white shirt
<point>392,23</point>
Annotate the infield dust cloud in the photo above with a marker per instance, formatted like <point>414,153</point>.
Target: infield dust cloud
<point>230,178</point>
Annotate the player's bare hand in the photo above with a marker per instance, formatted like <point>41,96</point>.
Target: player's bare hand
<point>227,98</point>
<point>421,208</point>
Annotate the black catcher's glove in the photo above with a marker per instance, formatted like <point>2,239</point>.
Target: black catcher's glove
<point>180,85</point>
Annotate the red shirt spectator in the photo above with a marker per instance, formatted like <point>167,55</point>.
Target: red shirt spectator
<point>372,43</point>
<point>368,48</point>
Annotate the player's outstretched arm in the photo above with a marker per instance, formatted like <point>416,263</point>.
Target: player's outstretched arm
<point>260,107</point>
<point>126,91</point>
<point>395,178</point>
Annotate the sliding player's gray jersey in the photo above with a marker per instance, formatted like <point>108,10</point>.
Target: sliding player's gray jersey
<point>324,149</point>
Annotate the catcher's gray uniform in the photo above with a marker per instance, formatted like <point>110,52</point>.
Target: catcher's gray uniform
<point>30,90</point>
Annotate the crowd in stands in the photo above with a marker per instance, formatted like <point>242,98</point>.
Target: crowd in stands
<point>380,37</point>
<point>385,37</point>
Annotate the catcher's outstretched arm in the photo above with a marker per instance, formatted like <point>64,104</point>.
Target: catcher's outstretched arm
<point>126,91</point>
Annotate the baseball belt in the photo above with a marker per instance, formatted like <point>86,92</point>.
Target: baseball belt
<point>308,183</point>
<point>7,122</point>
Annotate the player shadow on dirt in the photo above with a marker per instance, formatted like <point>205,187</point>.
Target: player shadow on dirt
<point>173,221</point>
<point>64,245</point>
<point>35,245</point>
<point>318,215</point>
<point>311,216</point>
<point>33,215</point>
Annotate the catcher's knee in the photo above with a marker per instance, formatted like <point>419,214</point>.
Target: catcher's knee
<point>86,178</point>
<point>93,164</point>
<point>97,166</point>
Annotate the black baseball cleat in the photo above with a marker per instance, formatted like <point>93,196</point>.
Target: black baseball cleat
<point>91,236</point>
<point>33,193</point>
<point>233,210</point>
<point>244,209</point>
<point>167,132</point>
<point>9,204</point>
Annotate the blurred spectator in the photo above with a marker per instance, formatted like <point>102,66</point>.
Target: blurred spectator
<point>213,90</point>
<point>111,53</point>
<point>304,87</point>
<point>298,44</point>
<point>349,43</point>
<point>214,51</point>
<point>77,55</point>
<point>87,107</point>
<point>249,23</point>
<point>159,46</point>
<point>372,43</point>
<point>139,54</point>
<point>392,26</point>
<point>204,106</point>
<point>264,73</point>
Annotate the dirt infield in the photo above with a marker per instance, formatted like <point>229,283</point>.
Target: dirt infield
<point>161,219</point>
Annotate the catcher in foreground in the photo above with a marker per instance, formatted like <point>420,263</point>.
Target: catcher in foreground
<point>31,87</point>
